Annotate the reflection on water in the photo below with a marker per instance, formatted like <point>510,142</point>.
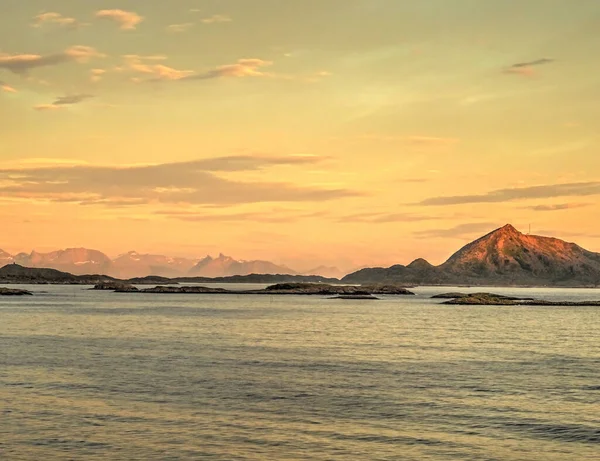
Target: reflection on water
<point>93,375</point>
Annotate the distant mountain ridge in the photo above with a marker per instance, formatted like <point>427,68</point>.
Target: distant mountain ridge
<point>81,261</point>
<point>14,273</point>
<point>505,256</point>
<point>225,266</point>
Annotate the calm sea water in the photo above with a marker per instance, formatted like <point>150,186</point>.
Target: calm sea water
<point>96,375</point>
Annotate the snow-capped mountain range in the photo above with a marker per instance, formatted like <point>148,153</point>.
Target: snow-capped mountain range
<point>81,261</point>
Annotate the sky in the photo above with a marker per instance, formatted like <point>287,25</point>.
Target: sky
<point>340,132</point>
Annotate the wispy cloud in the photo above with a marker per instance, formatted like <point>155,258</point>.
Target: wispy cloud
<point>147,65</point>
<point>22,63</point>
<point>527,68</point>
<point>160,72</point>
<point>410,140</point>
<point>191,183</point>
<point>216,18</point>
<point>55,19</point>
<point>127,20</point>
<point>578,189</point>
<point>62,101</point>
<point>274,216</point>
<point>242,68</point>
<point>557,207</point>
<point>7,88</point>
<point>460,231</point>
<point>96,75</point>
<point>179,28</point>
<point>46,107</point>
<point>380,218</point>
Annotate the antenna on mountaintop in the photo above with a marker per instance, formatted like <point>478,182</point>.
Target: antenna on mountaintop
<point>529,233</point>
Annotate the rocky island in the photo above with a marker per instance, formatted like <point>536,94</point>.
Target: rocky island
<point>277,289</point>
<point>14,292</point>
<point>491,299</point>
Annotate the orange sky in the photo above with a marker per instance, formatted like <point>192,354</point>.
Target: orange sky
<point>340,132</point>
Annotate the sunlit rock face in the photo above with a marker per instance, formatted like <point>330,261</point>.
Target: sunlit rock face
<point>508,253</point>
<point>502,257</point>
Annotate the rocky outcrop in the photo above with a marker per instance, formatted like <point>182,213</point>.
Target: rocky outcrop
<point>14,292</point>
<point>456,295</point>
<point>491,299</point>
<point>114,285</point>
<point>324,289</point>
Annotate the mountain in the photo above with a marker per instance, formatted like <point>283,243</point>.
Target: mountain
<point>5,258</point>
<point>133,264</point>
<point>72,260</point>
<point>15,273</point>
<point>505,256</point>
<point>80,261</point>
<point>326,271</point>
<point>224,266</point>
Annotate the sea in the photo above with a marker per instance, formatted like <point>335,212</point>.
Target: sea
<point>89,375</point>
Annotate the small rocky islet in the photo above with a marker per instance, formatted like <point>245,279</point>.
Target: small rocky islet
<point>492,299</point>
<point>14,292</point>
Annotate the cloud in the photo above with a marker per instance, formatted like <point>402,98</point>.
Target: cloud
<point>247,67</point>
<point>46,107</point>
<point>7,88</point>
<point>96,75</point>
<point>249,163</point>
<point>62,101</point>
<point>216,18</point>
<point>242,68</point>
<point>140,65</point>
<point>557,207</point>
<point>579,189</point>
<point>379,218</point>
<point>412,140</point>
<point>274,216</point>
<point>55,18</point>
<point>22,63</point>
<point>566,234</point>
<point>179,28</point>
<point>188,183</point>
<point>161,72</point>
<point>72,99</point>
<point>527,68</point>
<point>127,20</point>
<point>460,231</point>
<point>537,62</point>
